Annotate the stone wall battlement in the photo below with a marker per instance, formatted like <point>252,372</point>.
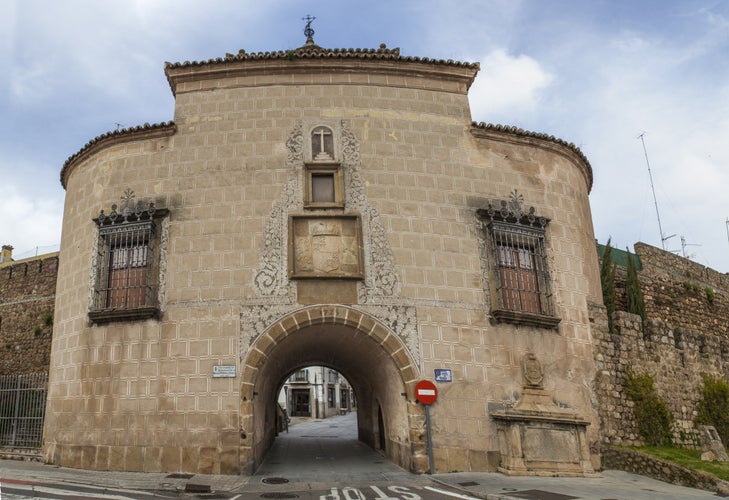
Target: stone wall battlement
<point>685,335</point>
<point>27,296</point>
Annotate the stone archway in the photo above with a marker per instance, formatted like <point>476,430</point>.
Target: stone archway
<point>371,357</point>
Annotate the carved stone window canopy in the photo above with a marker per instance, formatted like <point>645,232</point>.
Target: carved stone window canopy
<point>130,212</point>
<point>512,212</point>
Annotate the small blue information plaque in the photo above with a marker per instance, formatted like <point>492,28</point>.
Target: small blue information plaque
<point>443,375</point>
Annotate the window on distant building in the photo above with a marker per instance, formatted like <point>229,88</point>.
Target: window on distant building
<point>127,263</point>
<point>301,376</point>
<point>521,290</point>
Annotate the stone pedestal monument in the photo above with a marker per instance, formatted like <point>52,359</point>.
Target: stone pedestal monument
<point>537,437</point>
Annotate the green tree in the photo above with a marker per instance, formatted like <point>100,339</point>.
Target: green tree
<point>636,305</point>
<point>713,407</point>
<point>652,416</point>
<point>607,278</point>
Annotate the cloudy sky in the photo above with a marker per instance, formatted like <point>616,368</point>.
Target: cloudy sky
<point>596,73</point>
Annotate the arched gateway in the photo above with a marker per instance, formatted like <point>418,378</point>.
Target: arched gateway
<point>331,207</point>
<point>372,358</point>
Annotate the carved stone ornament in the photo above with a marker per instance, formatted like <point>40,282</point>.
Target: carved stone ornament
<point>127,211</point>
<point>512,211</point>
<point>272,280</point>
<point>532,371</point>
<point>380,286</point>
<point>539,437</point>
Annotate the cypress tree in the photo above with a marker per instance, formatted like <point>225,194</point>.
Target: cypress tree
<point>607,278</point>
<point>636,305</point>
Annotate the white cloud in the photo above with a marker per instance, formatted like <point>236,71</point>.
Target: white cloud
<point>30,83</point>
<point>28,222</point>
<point>507,85</point>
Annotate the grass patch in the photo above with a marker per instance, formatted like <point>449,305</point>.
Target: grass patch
<point>688,458</point>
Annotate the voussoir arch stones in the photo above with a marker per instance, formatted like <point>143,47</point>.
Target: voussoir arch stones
<point>342,316</point>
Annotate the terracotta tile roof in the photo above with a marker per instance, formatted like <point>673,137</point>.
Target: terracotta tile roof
<point>511,130</point>
<point>116,137</point>
<point>315,52</point>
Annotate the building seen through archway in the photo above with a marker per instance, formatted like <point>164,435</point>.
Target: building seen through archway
<point>316,392</point>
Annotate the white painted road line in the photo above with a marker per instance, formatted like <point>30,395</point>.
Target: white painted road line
<point>450,494</point>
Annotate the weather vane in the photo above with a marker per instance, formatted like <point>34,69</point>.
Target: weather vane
<point>308,30</point>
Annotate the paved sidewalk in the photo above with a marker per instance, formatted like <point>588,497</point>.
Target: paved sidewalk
<point>324,453</point>
<point>612,485</point>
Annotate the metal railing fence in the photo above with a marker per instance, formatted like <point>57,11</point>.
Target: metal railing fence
<point>22,409</point>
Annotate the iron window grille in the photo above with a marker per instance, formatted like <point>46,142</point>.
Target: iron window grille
<point>521,292</point>
<point>127,263</point>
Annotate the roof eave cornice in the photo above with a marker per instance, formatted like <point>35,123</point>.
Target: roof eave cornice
<point>298,62</point>
<point>142,132</point>
<point>545,141</point>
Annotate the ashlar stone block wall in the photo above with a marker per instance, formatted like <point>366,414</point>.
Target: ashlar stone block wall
<point>140,395</point>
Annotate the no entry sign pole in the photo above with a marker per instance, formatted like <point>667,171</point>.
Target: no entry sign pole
<point>426,392</point>
<point>430,439</point>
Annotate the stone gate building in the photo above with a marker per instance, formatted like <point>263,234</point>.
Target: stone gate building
<point>324,207</point>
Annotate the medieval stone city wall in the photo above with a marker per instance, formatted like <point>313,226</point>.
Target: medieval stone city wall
<point>27,295</point>
<point>684,337</point>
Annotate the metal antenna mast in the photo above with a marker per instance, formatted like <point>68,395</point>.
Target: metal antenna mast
<point>655,201</point>
<point>683,248</point>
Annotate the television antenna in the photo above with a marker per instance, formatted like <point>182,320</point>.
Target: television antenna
<point>683,248</point>
<point>653,190</point>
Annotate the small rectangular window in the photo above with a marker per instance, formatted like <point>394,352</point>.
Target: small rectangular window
<point>324,187</point>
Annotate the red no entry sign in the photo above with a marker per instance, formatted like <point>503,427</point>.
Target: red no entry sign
<point>426,392</point>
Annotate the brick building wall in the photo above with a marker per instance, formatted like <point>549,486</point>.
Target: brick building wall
<point>27,296</point>
<point>684,336</point>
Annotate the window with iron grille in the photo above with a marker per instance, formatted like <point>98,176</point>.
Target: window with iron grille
<point>126,263</point>
<point>521,283</point>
